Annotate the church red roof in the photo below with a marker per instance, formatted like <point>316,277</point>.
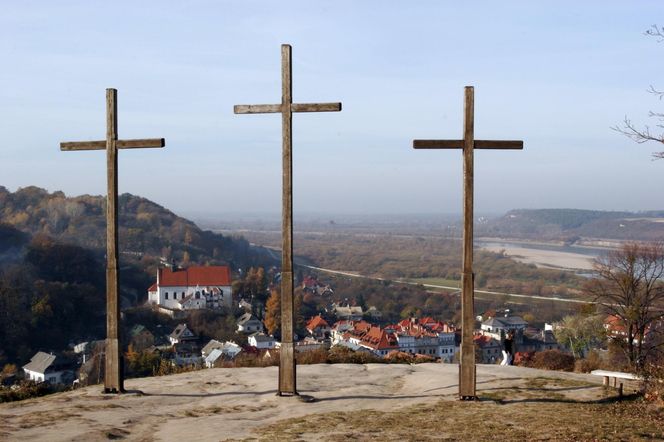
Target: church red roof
<point>193,276</point>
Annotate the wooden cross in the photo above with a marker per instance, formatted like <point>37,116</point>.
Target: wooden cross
<point>287,376</point>
<point>113,377</point>
<point>467,374</point>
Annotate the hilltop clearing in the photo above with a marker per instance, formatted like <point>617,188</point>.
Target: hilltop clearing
<point>359,402</point>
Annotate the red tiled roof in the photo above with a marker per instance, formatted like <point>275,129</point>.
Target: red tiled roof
<point>192,276</point>
<point>484,341</point>
<point>316,322</point>
<point>615,324</point>
<point>362,326</point>
<point>153,288</point>
<point>379,339</point>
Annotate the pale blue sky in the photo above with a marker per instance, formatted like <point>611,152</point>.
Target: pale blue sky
<point>556,74</point>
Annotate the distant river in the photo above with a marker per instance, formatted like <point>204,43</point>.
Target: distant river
<point>545,255</point>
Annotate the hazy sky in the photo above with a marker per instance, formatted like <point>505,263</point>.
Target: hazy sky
<point>556,74</point>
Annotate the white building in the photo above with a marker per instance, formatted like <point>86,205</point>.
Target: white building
<point>47,367</point>
<point>248,323</point>
<point>216,350</point>
<point>262,341</point>
<point>181,334</point>
<point>192,288</point>
<point>499,326</point>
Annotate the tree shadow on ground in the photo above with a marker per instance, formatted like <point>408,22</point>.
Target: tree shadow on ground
<point>559,400</point>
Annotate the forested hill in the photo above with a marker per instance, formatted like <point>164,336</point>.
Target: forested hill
<point>52,282</point>
<point>573,224</point>
<point>145,228</point>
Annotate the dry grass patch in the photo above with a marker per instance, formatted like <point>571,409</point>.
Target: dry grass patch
<point>539,388</point>
<point>533,418</point>
<point>215,409</point>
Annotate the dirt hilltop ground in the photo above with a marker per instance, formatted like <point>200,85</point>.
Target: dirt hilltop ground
<point>240,403</point>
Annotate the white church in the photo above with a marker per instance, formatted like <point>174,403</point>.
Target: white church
<point>192,288</point>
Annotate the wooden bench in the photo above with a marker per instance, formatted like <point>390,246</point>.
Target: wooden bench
<point>615,375</point>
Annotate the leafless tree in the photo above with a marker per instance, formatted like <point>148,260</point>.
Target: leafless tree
<point>630,287</point>
<point>645,134</point>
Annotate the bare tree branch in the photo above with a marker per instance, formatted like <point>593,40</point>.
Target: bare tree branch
<point>655,31</point>
<point>654,91</point>
<point>630,287</point>
<point>645,135</point>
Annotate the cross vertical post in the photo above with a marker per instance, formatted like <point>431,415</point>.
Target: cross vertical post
<point>114,379</point>
<point>113,374</point>
<point>287,367</point>
<point>467,371</point>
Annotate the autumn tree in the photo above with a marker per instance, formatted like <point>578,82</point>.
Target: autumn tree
<point>646,133</point>
<point>273,312</point>
<point>629,286</point>
<point>580,332</point>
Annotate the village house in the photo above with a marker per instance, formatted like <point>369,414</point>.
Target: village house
<point>379,341</point>
<point>488,349</point>
<point>47,367</point>
<point>311,285</point>
<point>181,334</point>
<point>537,340</point>
<point>363,335</point>
<point>498,327</point>
<point>212,345</point>
<point>211,359</point>
<point>318,327</point>
<point>309,343</point>
<point>193,288</point>
<point>340,330</point>
<point>216,351</point>
<point>248,323</point>
<point>187,353</point>
<point>262,341</point>
<point>425,336</point>
<point>245,305</point>
<point>347,312</point>
<point>615,328</point>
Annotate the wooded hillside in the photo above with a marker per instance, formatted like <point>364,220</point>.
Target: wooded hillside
<point>570,225</point>
<point>145,228</point>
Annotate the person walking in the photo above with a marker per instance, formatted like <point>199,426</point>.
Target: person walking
<point>508,347</point>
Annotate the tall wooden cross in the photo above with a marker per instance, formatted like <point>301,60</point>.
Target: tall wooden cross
<point>287,375</point>
<point>113,377</point>
<point>467,374</point>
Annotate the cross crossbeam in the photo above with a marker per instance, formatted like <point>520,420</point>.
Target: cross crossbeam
<point>467,373</point>
<point>113,375</point>
<point>120,144</point>
<point>287,375</point>
<point>477,144</point>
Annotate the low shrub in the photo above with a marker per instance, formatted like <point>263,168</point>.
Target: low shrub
<point>344,355</point>
<point>591,362</point>
<point>553,360</point>
<point>523,358</point>
<point>27,390</point>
